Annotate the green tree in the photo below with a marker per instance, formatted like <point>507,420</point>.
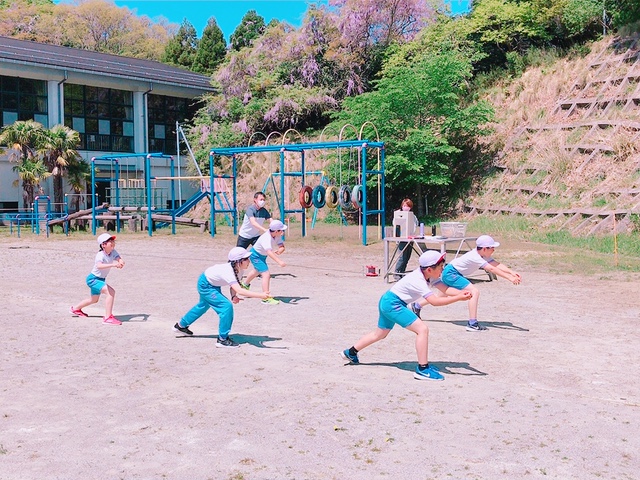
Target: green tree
<point>251,27</point>
<point>431,133</point>
<point>58,148</point>
<point>212,49</point>
<point>181,49</point>
<point>31,172</point>
<point>24,137</point>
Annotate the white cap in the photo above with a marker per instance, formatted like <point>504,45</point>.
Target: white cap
<point>105,237</point>
<point>238,253</point>
<point>276,225</point>
<point>430,258</point>
<point>485,241</point>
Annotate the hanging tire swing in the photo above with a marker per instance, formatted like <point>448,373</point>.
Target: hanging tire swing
<point>344,197</point>
<point>331,197</point>
<point>305,196</point>
<point>318,196</point>
<point>356,196</point>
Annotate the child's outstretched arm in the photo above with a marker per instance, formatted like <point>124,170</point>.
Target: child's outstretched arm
<point>448,291</point>
<point>272,255</point>
<point>503,271</point>
<point>438,301</point>
<point>238,292</point>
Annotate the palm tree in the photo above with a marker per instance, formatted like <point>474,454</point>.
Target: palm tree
<point>24,137</point>
<point>78,173</point>
<point>31,171</point>
<point>58,149</point>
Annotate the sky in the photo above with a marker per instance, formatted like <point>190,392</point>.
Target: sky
<point>229,13</point>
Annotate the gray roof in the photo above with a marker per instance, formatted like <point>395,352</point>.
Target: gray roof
<point>44,55</point>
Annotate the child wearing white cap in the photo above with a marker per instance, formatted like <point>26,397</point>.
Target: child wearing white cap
<point>270,244</point>
<point>413,287</point>
<point>210,285</point>
<point>481,257</point>
<point>106,259</point>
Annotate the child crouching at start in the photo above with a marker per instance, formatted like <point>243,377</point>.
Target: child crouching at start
<point>210,286</point>
<point>393,309</point>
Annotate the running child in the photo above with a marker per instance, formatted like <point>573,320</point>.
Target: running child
<point>270,244</point>
<point>481,257</point>
<point>106,259</point>
<point>210,286</point>
<point>413,287</point>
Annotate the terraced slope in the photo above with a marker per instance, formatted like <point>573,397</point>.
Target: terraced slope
<point>571,136</point>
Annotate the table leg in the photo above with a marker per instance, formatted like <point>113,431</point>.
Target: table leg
<point>386,261</point>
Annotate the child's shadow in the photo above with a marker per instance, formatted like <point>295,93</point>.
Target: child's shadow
<point>291,300</point>
<point>489,325</point>
<point>134,317</point>
<point>255,340</point>
<point>444,367</point>
<point>283,275</point>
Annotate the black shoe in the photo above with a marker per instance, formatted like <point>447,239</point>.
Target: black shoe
<point>184,330</point>
<point>475,327</point>
<point>226,343</point>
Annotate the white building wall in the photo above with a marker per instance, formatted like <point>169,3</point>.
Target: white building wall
<point>56,78</point>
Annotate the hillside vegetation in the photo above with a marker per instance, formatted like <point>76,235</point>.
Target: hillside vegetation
<point>569,133</point>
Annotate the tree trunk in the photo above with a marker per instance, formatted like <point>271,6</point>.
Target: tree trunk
<point>58,198</point>
<point>27,195</point>
<point>421,210</point>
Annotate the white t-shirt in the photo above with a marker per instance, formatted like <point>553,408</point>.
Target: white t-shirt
<point>469,262</point>
<point>266,242</point>
<point>412,287</point>
<point>221,275</point>
<point>102,257</point>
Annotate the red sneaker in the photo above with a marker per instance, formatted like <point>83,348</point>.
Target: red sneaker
<point>77,312</point>
<point>111,320</point>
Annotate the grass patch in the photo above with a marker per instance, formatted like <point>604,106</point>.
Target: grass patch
<point>512,227</point>
<point>628,244</point>
<point>585,255</point>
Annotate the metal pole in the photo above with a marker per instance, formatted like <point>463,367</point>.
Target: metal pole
<point>147,179</point>
<point>364,193</point>
<point>93,195</point>
<point>117,193</point>
<point>304,210</point>
<point>282,195</point>
<point>173,199</point>
<point>178,157</point>
<point>212,228</point>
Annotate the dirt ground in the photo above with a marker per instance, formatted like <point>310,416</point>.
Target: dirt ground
<point>550,390</point>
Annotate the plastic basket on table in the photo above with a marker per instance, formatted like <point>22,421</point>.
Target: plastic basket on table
<point>453,229</point>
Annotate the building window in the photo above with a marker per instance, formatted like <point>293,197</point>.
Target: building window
<point>102,116</point>
<point>164,112</point>
<point>23,99</point>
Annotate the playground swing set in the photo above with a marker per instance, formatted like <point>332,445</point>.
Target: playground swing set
<point>323,194</point>
<point>132,198</point>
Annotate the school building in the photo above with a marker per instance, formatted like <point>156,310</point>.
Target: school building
<point>119,106</point>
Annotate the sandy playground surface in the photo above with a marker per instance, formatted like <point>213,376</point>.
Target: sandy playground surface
<point>551,390</point>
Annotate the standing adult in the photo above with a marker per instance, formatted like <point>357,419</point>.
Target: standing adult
<point>253,222</point>
<point>404,248</point>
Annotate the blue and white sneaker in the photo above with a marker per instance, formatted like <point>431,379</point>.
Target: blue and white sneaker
<point>416,308</point>
<point>428,373</point>
<point>350,358</point>
<point>475,327</point>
